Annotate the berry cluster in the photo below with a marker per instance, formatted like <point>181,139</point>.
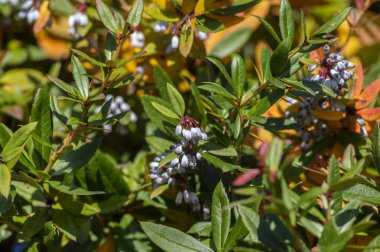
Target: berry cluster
<point>118,106</point>
<point>175,172</point>
<point>75,20</point>
<point>333,70</point>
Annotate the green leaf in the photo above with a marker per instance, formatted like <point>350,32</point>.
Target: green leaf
<point>80,77</point>
<point>275,123</point>
<point>41,113</point>
<point>201,229</point>
<point>172,240</point>
<point>110,47</point>
<point>220,150</point>
<point>375,147</point>
<point>269,28</point>
<point>364,193</point>
<point>374,245</point>
<point>164,110</point>
<point>70,189</point>
<point>77,208</point>
<point>217,162</point>
<point>274,155</point>
<point>298,85</point>
<point>5,181</point>
<point>220,216</point>
<point>136,12</point>
<point>332,24</point>
<point>75,159</point>
<point>103,173</point>
<point>238,231</point>
<point>218,89</point>
<point>167,159</point>
<point>287,22</point>
<point>176,100</point>
<point>13,149</point>
<point>162,79</point>
<point>34,223</point>
<point>88,58</point>
<point>303,23</point>
<point>279,58</point>
<point>221,68</point>
<point>265,64</point>
<point>236,8</point>
<point>231,43</point>
<point>208,24</point>
<point>238,73</point>
<point>62,6</point>
<point>159,190</point>
<point>65,223</point>
<point>63,85</point>
<point>106,16</point>
<point>251,221</point>
<point>265,103</point>
<point>186,39</point>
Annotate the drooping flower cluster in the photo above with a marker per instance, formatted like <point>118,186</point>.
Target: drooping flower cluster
<point>334,71</point>
<point>118,106</point>
<point>176,171</point>
<point>29,12</point>
<point>76,20</point>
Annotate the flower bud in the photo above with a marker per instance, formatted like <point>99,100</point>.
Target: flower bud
<point>311,68</point>
<point>179,198</point>
<point>178,130</point>
<point>326,49</point>
<point>175,42</point>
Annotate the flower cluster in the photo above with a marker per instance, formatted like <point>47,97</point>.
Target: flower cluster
<point>176,171</point>
<point>118,106</point>
<point>29,12</point>
<point>137,39</point>
<point>75,20</point>
<point>333,70</point>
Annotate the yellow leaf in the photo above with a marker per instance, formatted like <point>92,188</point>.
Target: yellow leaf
<point>43,17</point>
<point>328,115</point>
<point>188,6</point>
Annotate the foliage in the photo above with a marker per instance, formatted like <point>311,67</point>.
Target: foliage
<point>188,126</point>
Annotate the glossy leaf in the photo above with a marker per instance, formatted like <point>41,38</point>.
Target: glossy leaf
<point>176,100</point>
<point>238,73</point>
<point>5,181</point>
<point>332,24</point>
<point>171,240</point>
<point>134,16</point>
<point>41,113</point>
<point>106,16</point>
<point>287,26</point>
<point>220,216</point>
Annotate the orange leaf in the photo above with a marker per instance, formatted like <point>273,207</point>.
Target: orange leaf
<point>54,47</point>
<point>317,55</point>
<point>43,17</point>
<point>369,114</point>
<point>368,95</point>
<point>359,82</point>
<point>328,115</point>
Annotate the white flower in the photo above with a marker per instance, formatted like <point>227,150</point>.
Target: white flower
<point>179,198</point>
<point>175,42</point>
<point>137,39</point>
<point>178,130</point>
